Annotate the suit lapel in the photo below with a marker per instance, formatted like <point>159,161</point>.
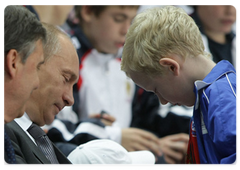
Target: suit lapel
<point>35,150</point>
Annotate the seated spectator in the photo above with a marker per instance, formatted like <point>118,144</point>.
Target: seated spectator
<point>216,23</point>
<point>57,76</point>
<point>52,14</point>
<point>24,54</point>
<point>23,57</point>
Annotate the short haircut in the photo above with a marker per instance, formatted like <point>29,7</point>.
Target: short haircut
<point>22,30</point>
<point>52,44</point>
<point>158,33</point>
<point>98,9</point>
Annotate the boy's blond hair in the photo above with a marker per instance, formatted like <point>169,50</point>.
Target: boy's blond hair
<point>158,33</point>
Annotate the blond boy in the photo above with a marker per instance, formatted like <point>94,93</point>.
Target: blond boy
<point>164,53</point>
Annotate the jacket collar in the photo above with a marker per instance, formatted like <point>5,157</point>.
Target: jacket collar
<point>34,149</point>
<point>221,68</point>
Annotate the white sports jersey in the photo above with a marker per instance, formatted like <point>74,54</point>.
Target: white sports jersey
<point>105,87</point>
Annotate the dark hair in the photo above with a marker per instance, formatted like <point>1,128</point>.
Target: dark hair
<point>21,31</point>
<point>98,9</point>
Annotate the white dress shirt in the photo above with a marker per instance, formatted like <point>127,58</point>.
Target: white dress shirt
<point>24,122</point>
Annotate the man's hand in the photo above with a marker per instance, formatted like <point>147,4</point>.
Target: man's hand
<point>134,139</point>
<point>174,147</point>
<point>106,119</point>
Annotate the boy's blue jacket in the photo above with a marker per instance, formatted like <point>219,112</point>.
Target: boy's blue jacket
<point>214,115</point>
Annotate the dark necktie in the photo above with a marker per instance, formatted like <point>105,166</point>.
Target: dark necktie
<point>9,151</point>
<point>43,142</point>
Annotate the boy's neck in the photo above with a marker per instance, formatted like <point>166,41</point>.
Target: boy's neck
<point>200,67</point>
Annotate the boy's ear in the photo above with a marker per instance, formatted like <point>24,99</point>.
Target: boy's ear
<point>86,13</point>
<point>12,60</point>
<point>171,65</point>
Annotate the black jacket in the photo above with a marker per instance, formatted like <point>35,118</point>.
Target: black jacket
<point>26,151</point>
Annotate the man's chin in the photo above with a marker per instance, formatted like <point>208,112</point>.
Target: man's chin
<point>49,121</point>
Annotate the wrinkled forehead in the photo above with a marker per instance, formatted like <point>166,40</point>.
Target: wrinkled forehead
<point>71,66</point>
<point>67,58</point>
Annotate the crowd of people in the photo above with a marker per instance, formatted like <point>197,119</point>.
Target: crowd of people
<point>116,84</point>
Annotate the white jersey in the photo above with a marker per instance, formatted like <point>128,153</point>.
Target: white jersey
<point>105,87</point>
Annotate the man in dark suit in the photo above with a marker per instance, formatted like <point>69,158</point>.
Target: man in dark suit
<point>26,151</point>
<point>24,36</point>
<point>57,76</point>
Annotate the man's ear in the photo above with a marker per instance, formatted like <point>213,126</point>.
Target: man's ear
<point>12,60</point>
<point>86,13</point>
<point>171,65</point>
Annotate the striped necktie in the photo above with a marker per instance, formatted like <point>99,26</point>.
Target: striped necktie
<point>43,142</point>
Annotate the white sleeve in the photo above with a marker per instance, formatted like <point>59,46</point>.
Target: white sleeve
<point>114,133</point>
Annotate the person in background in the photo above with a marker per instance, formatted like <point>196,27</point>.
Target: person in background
<point>187,8</point>
<point>164,53</point>
<point>57,76</point>
<point>52,14</point>
<point>216,25</point>
<point>23,57</point>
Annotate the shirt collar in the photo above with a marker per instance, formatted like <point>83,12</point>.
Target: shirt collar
<point>24,122</point>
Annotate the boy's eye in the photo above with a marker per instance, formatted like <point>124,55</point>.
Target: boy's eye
<point>119,18</point>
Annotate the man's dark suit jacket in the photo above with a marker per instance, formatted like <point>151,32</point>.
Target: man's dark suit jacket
<point>25,149</point>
